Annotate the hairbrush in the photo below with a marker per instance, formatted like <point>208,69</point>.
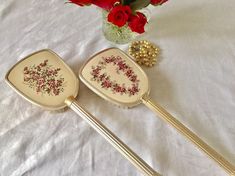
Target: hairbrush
<point>114,76</point>
<point>45,80</point>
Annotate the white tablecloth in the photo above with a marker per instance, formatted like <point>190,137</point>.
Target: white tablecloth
<point>194,80</point>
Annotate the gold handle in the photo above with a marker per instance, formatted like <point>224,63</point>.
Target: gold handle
<point>190,135</point>
<point>111,138</point>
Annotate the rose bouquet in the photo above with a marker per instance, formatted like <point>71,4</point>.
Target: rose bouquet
<point>123,15</point>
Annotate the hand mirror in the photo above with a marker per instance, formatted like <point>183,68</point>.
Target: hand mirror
<point>45,80</point>
<point>114,76</point>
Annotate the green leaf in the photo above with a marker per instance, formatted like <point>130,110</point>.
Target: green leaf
<point>139,4</point>
<point>128,2</point>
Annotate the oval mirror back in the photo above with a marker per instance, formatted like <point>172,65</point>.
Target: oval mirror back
<point>115,77</point>
<point>43,79</point>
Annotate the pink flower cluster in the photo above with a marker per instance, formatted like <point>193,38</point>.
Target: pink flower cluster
<point>44,78</point>
<point>106,82</point>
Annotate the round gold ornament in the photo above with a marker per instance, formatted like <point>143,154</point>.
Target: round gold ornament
<point>144,52</point>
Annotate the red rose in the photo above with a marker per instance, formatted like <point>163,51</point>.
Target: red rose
<point>158,2</point>
<point>119,15</point>
<point>81,2</point>
<point>137,22</point>
<point>107,5</point>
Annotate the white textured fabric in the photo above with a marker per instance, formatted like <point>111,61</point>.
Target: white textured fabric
<point>194,81</point>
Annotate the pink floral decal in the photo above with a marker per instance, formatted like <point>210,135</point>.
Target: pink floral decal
<point>44,79</point>
<point>122,67</point>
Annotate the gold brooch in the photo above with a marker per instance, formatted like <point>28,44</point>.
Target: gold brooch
<point>144,52</point>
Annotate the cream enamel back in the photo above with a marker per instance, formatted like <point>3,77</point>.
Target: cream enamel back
<point>43,79</point>
<point>115,77</point>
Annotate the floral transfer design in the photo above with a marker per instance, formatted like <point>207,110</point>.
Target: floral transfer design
<point>44,79</point>
<point>105,80</point>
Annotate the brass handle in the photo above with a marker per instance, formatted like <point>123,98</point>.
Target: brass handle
<point>229,168</point>
<point>111,138</point>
